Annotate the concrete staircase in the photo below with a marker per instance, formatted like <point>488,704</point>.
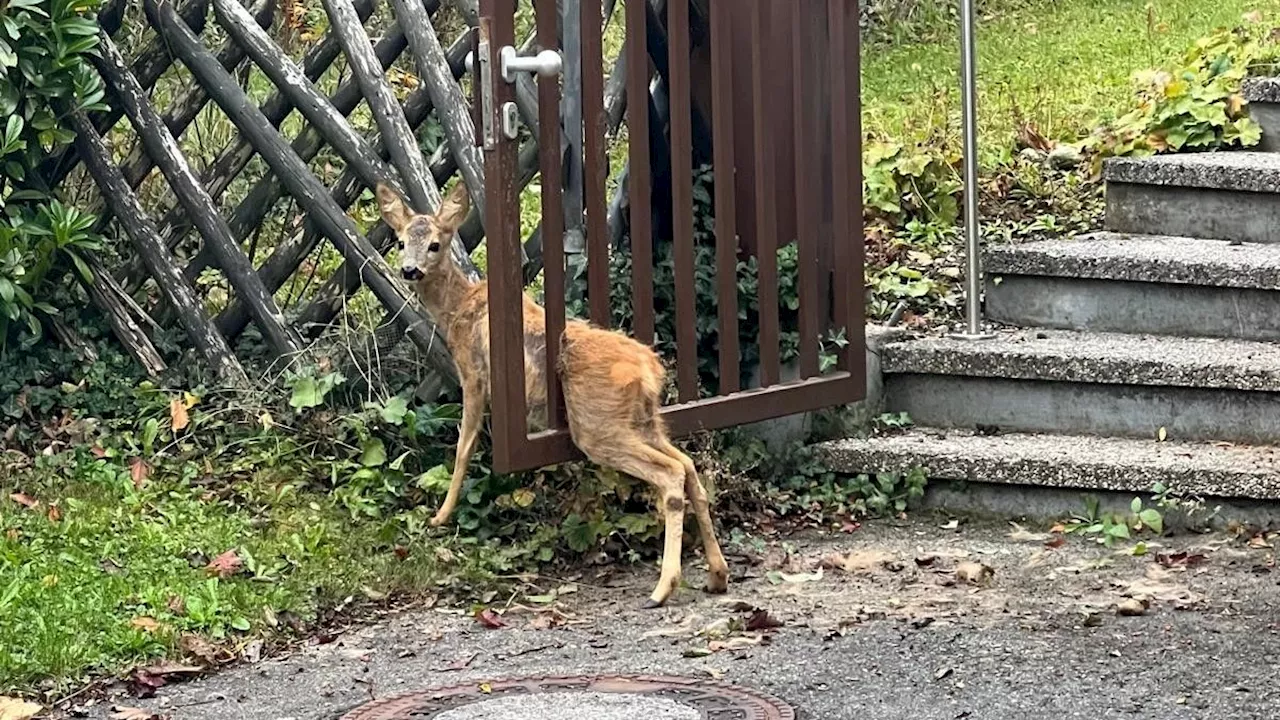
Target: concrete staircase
<point>1140,355</point>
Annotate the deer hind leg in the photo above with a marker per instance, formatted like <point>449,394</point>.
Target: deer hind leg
<point>717,568</point>
<point>473,396</point>
<point>632,455</point>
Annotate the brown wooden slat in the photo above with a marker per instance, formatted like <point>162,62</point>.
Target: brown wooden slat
<point>846,185</point>
<point>594,172</point>
<point>837,388</point>
<point>640,181</point>
<point>725,203</point>
<point>682,199</point>
<point>766,214</point>
<point>808,204</point>
<point>552,212</point>
<point>506,331</point>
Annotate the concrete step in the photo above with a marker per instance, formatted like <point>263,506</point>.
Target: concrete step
<point>1090,384</point>
<point>1065,461</point>
<point>1263,94</point>
<point>1216,195</point>
<point>1113,282</point>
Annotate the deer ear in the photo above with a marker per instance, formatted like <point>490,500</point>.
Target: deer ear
<point>454,208</point>
<point>394,209</point>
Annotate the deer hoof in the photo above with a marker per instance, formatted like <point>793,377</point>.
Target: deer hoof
<point>650,604</point>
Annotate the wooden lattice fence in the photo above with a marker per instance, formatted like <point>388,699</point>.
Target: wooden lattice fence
<point>186,213</point>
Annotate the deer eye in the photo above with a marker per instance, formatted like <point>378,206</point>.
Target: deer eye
<point>433,247</point>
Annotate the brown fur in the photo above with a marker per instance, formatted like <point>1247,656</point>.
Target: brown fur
<point>612,384</point>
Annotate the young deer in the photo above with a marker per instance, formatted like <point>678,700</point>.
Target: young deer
<point>611,383</point>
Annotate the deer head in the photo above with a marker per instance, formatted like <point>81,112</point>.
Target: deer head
<point>424,239</point>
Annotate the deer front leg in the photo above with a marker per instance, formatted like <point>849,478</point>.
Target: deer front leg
<point>472,414</point>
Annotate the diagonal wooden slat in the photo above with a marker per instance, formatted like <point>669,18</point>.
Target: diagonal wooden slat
<point>164,149</point>
<point>404,151</point>
<point>310,102</point>
<point>264,194</point>
<point>309,192</point>
<point>152,61</point>
<point>146,240</point>
<point>451,108</point>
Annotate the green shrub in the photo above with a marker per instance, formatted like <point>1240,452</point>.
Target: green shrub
<point>44,76</point>
<point>1197,105</point>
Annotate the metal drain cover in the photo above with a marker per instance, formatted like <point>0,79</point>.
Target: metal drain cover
<point>586,697</point>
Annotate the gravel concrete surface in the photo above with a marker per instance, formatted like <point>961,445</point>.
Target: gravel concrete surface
<point>916,620</point>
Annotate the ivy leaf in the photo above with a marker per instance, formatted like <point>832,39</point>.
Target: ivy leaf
<point>394,410</point>
<point>373,453</point>
<point>306,394</point>
<point>1152,519</point>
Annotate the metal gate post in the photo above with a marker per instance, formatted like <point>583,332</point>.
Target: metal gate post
<point>969,101</point>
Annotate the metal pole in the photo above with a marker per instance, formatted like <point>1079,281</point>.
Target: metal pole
<point>969,101</point>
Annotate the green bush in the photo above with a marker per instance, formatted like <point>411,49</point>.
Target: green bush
<point>1197,105</point>
<point>44,76</point>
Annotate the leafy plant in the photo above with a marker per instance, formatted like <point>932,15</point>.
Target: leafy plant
<point>1108,528</point>
<point>1197,105</point>
<point>44,76</point>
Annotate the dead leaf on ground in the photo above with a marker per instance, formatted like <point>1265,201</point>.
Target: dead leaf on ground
<point>861,561</point>
<point>490,619</point>
<point>762,620</point>
<point>139,471</point>
<point>1021,534</point>
<point>121,712</point>
<point>1181,559</point>
<point>737,642</point>
<point>252,652</point>
<point>178,417</point>
<point>199,648</point>
<point>12,708</point>
<point>974,573</point>
<point>148,624</point>
<point>24,500</point>
<point>777,577</point>
<point>1132,607</point>
<point>225,565</point>
<point>54,513</point>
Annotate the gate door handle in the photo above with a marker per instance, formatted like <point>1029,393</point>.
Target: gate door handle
<point>546,63</point>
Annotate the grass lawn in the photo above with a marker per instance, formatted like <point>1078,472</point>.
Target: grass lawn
<point>116,575</point>
<point>1064,65</point>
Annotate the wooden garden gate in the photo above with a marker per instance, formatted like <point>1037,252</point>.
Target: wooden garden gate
<point>776,97</point>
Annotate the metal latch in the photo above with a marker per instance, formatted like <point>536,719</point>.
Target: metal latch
<point>547,63</point>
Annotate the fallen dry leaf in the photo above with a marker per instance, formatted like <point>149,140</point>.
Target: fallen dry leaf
<point>169,667</point>
<point>738,642</point>
<point>1056,541</point>
<point>974,573</point>
<point>24,500</point>
<point>199,648</point>
<point>1021,534</point>
<point>490,619</point>
<point>762,620</point>
<point>12,708</point>
<point>54,513</point>
<point>1132,607</point>
<point>149,624</point>
<point>139,470</point>
<point>860,561</point>
<point>225,565</point>
<point>1180,559</point>
<point>178,417</point>
<point>122,712</point>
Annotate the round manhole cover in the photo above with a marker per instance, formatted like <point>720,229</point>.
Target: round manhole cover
<point>590,697</point>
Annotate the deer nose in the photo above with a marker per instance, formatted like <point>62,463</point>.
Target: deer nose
<point>411,273</point>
